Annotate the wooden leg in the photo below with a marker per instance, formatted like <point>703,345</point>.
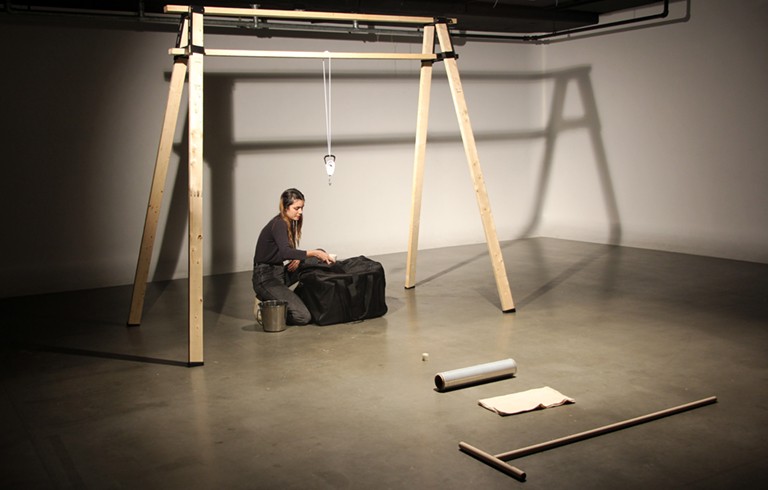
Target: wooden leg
<point>196,194</point>
<point>425,85</point>
<point>156,192</point>
<point>470,149</point>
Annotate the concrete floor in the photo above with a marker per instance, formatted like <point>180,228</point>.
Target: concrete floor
<point>87,402</point>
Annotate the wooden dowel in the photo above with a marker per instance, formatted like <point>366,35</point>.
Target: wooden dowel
<point>245,53</point>
<point>493,461</point>
<point>544,446</point>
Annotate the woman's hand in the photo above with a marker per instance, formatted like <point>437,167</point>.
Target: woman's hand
<point>320,255</point>
<point>293,265</point>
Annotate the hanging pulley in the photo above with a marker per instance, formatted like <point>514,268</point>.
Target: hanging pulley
<point>330,166</point>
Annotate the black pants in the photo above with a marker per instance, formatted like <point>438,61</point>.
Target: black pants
<point>273,281</point>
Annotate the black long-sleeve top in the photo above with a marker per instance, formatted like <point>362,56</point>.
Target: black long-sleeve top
<point>273,246</point>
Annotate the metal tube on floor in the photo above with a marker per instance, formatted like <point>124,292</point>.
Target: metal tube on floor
<point>475,374</point>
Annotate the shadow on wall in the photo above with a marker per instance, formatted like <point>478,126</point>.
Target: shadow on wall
<point>221,151</point>
<point>557,124</point>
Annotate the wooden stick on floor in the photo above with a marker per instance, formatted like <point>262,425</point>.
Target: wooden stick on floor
<point>498,461</point>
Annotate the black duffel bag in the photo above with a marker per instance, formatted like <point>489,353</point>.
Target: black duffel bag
<point>346,291</point>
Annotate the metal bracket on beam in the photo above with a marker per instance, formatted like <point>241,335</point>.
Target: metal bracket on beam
<point>446,55</point>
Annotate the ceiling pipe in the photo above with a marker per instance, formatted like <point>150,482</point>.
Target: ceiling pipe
<point>144,17</point>
<point>541,37</point>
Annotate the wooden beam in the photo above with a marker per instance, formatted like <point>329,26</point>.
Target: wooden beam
<point>307,15</point>
<point>164,148</point>
<point>473,160</point>
<point>307,54</point>
<point>156,192</point>
<point>196,194</point>
<point>422,118</point>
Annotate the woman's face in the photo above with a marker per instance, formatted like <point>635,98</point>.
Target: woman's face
<point>295,210</point>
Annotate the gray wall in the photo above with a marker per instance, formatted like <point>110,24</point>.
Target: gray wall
<point>661,144</point>
<point>684,114</point>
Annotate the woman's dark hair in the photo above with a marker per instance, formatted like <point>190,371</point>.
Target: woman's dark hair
<point>288,197</point>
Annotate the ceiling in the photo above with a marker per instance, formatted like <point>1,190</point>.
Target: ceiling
<point>524,17</point>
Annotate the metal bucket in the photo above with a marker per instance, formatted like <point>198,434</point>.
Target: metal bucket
<point>272,315</point>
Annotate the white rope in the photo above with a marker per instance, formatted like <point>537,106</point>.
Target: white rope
<point>327,94</point>
<point>330,159</point>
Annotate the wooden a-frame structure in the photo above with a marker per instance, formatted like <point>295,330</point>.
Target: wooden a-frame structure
<point>188,57</point>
